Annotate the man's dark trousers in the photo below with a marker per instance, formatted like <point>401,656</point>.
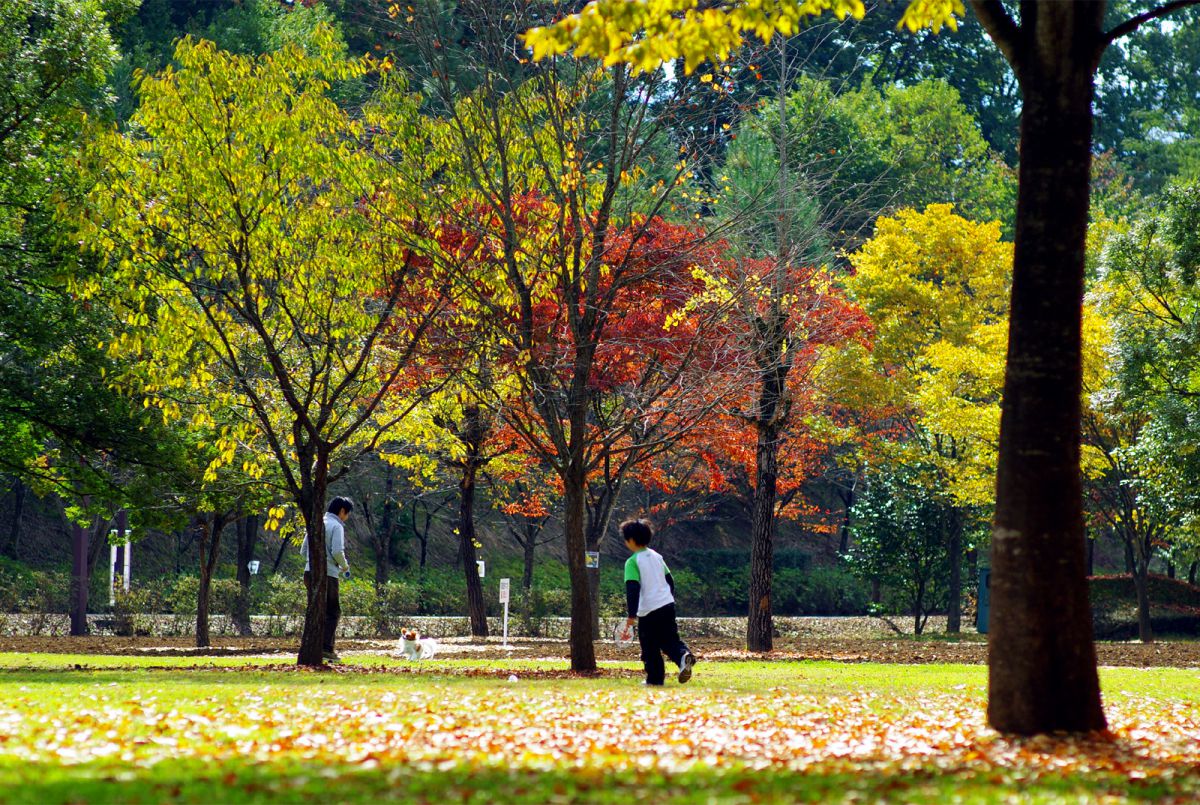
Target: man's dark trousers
<point>658,634</point>
<point>333,608</point>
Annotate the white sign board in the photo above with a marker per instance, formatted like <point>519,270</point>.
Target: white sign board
<point>482,568</point>
<point>504,586</point>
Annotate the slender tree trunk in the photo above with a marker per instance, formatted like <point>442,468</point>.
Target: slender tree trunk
<point>1192,572</point>
<point>1170,570</point>
<point>79,579</point>
<point>583,653</point>
<point>595,534</point>
<point>919,608</point>
<point>383,543</point>
<point>283,543</point>
<point>12,547</point>
<point>1091,555</point>
<point>314,474</point>
<point>476,607</point>
<point>847,499</point>
<point>759,626</point>
<point>954,545</point>
<point>528,548</point>
<point>210,550</point>
<point>1042,660</point>
<point>1141,585</point>
<point>247,537</point>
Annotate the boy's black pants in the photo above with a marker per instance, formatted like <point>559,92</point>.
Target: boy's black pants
<point>658,634</point>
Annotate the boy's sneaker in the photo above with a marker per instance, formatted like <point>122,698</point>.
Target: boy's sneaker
<point>685,667</point>
<point>331,657</point>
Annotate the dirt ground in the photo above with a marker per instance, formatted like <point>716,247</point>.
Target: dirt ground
<point>969,651</point>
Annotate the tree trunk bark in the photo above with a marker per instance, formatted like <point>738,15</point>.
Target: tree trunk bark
<point>595,534</point>
<point>954,545</point>
<point>383,543</point>
<point>759,626</point>
<point>1192,572</point>
<point>476,608</point>
<point>1042,660</point>
<point>1141,585</point>
<point>528,549</point>
<point>19,490</point>
<point>918,608</point>
<point>583,652</point>
<point>210,550</point>
<point>314,473</point>
<point>247,537</point>
<point>847,499</point>
<point>202,594</point>
<point>79,579</point>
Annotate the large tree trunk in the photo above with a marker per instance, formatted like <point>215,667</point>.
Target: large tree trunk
<point>476,607</point>
<point>583,652</point>
<point>759,626</point>
<point>954,545</point>
<point>247,536</point>
<point>1042,660</point>
<point>314,474</point>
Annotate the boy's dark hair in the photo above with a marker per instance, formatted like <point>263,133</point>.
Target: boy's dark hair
<point>338,505</point>
<point>639,532</point>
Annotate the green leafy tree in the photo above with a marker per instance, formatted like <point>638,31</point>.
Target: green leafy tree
<point>261,263</point>
<point>901,538</point>
<point>1142,425</point>
<point>935,287</point>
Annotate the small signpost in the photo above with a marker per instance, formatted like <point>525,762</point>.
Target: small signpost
<point>481,566</point>
<point>504,588</point>
<point>252,566</point>
<point>593,559</point>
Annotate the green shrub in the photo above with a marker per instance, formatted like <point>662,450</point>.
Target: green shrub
<point>283,598</point>
<point>834,591</point>
<point>357,597</point>
<point>133,611</point>
<point>534,605</point>
<point>223,597</point>
<point>443,592</point>
<point>395,603</point>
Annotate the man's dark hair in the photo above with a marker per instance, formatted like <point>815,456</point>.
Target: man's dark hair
<point>639,532</point>
<point>338,505</point>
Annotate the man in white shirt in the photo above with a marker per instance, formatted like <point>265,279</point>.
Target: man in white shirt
<point>336,568</point>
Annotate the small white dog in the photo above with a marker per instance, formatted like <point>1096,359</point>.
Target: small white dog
<point>415,647</point>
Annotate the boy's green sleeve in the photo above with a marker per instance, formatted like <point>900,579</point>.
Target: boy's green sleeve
<point>631,569</point>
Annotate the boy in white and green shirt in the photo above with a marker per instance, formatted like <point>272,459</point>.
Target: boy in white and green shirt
<point>650,598</point>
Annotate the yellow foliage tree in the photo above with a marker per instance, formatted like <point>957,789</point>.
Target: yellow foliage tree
<point>265,268</point>
<point>936,286</point>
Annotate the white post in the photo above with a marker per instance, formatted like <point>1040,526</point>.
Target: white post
<point>504,588</point>
<point>128,554</point>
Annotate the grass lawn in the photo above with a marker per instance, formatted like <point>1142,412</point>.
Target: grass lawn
<point>251,729</point>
